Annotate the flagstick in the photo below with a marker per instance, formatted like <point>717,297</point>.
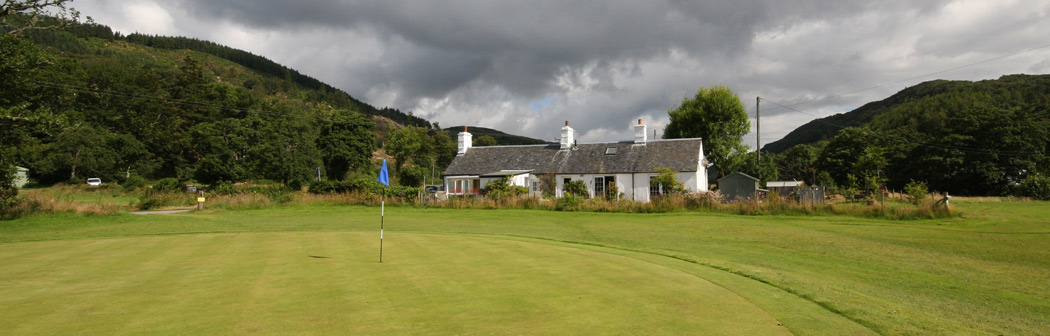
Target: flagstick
<point>382,216</point>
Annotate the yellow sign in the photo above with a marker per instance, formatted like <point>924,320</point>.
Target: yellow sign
<point>200,199</point>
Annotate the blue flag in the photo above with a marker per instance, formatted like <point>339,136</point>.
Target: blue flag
<point>384,177</point>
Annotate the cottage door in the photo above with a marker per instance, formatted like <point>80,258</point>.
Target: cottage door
<point>599,186</point>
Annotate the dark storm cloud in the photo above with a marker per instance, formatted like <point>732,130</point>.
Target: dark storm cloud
<point>519,45</point>
<point>606,63</point>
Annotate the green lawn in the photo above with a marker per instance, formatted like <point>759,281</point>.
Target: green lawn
<point>517,271</point>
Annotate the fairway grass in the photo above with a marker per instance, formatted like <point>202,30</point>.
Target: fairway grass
<point>331,283</point>
<point>985,273</point>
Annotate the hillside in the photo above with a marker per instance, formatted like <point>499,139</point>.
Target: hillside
<point>260,65</point>
<point>87,102</point>
<point>1008,92</point>
<point>502,138</point>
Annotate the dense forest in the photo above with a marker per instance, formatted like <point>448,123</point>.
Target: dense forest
<point>968,138</point>
<point>83,101</point>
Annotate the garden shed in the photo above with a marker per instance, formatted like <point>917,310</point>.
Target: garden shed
<point>738,186</point>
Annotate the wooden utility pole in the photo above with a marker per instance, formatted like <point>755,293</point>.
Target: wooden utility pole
<point>758,130</point>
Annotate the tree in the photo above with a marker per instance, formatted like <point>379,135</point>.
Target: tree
<point>839,156</point>
<point>220,150</point>
<point>484,140</point>
<point>20,15</point>
<point>444,150</point>
<point>717,116</point>
<point>77,153</point>
<point>410,145</point>
<point>869,169</point>
<point>797,163</point>
<point>346,143</point>
<point>747,163</point>
<point>284,150</point>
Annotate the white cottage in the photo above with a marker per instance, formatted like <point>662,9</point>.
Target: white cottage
<point>629,165</point>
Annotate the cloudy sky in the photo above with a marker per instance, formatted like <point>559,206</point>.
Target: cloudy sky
<point>526,66</point>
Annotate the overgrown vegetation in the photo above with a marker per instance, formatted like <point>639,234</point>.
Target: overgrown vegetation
<point>960,137</point>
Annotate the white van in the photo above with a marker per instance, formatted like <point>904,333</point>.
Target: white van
<point>94,181</point>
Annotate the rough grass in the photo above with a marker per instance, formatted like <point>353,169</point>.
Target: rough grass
<point>982,274</point>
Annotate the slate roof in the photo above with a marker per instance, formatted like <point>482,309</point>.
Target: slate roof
<point>749,177</point>
<point>681,155</point>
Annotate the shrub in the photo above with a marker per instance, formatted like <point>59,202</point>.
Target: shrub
<point>669,182</point>
<point>169,185</point>
<point>321,187</point>
<point>411,175</point>
<point>8,192</point>
<point>916,191</point>
<point>612,192</point>
<point>502,189</point>
<point>571,201</point>
<point>368,187</point>
<point>1035,186</point>
<point>134,182</point>
<point>576,187</point>
<point>224,188</point>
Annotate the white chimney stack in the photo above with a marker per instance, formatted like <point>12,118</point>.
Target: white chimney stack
<point>639,133</point>
<point>465,141</point>
<point>567,136</point>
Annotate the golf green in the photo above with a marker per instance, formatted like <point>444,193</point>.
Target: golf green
<point>332,283</point>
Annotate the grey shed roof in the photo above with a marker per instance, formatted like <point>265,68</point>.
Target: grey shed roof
<point>679,155</point>
<point>738,174</point>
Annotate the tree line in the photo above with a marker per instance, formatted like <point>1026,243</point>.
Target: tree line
<point>965,138</point>
<point>72,108</point>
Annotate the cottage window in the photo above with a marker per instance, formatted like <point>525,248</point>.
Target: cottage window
<point>610,151</point>
<point>655,189</point>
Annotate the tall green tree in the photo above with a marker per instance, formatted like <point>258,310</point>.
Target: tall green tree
<point>410,145</point>
<point>717,116</point>
<point>797,163</point>
<point>444,150</point>
<point>748,163</point>
<point>842,152</point>
<point>346,143</point>
<point>79,153</point>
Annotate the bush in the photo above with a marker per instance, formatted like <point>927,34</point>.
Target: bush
<point>8,193</point>
<point>1035,186</point>
<point>134,182</point>
<point>576,187</point>
<point>669,182</point>
<point>411,175</point>
<point>917,192</point>
<point>169,185</point>
<point>224,188</point>
<point>571,202</point>
<point>366,186</point>
<point>501,189</point>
